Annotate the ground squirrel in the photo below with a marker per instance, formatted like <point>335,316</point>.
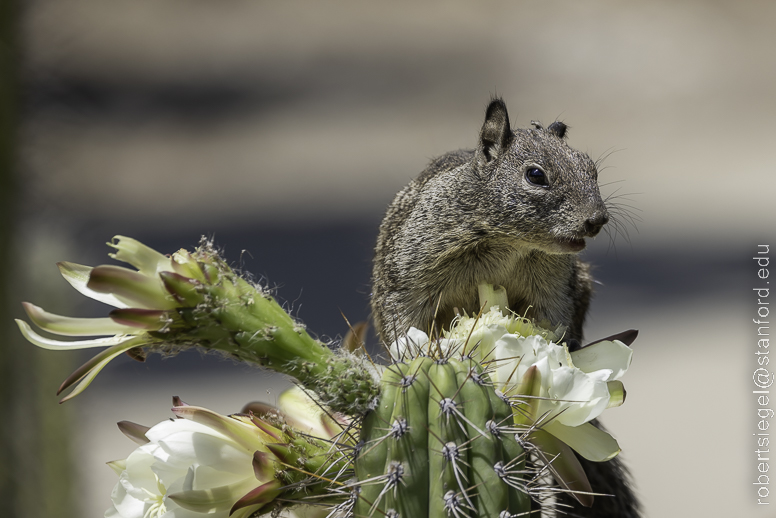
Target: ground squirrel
<point>515,212</point>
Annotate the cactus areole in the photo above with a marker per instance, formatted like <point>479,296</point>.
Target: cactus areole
<point>440,442</point>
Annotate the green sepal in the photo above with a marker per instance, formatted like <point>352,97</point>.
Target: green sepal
<point>183,289</point>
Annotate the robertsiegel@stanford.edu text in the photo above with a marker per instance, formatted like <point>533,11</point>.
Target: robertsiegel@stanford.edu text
<point>763,376</point>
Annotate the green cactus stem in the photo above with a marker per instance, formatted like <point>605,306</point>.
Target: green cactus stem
<point>440,443</point>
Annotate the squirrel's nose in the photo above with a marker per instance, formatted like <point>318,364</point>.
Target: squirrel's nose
<point>595,223</point>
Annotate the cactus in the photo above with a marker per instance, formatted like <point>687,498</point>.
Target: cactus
<point>473,424</point>
<point>439,444</point>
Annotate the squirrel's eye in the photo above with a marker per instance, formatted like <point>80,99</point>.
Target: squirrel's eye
<point>536,176</point>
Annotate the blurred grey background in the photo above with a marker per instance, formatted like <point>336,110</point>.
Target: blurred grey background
<point>283,130</point>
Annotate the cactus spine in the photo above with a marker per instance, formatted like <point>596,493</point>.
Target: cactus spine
<point>440,443</point>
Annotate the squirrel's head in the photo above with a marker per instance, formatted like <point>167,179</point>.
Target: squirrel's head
<point>534,186</point>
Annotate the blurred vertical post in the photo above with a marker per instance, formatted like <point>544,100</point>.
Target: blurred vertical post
<point>37,473</point>
<point>8,96</point>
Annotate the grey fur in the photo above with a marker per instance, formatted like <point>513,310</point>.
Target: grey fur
<point>475,216</point>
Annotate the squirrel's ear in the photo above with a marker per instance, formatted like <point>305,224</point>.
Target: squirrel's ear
<point>496,134</point>
<point>558,129</point>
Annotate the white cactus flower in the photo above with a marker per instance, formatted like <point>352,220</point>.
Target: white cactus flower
<point>564,390</point>
<point>189,468</point>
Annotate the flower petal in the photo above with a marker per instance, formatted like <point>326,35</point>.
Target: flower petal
<point>238,470</point>
<point>143,257</point>
<point>259,409</point>
<point>68,326</point>
<point>492,296</point>
<point>409,345</point>
<point>139,482</point>
<point>134,431</point>
<point>89,370</point>
<point>582,397</point>
<point>355,338</point>
<point>265,427</point>
<point>529,389</point>
<point>182,288</point>
<point>134,288</point>
<point>78,276</point>
<point>126,502</point>
<point>214,499</point>
<point>626,337</point>
<point>616,393</point>
<point>117,465</point>
<point>263,465</point>
<point>185,264</point>
<point>259,496</point>
<point>246,436</point>
<point>193,456</point>
<point>304,414</point>
<point>58,345</point>
<point>136,318</point>
<point>587,440</point>
<point>564,465</point>
<point>613,355</point>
